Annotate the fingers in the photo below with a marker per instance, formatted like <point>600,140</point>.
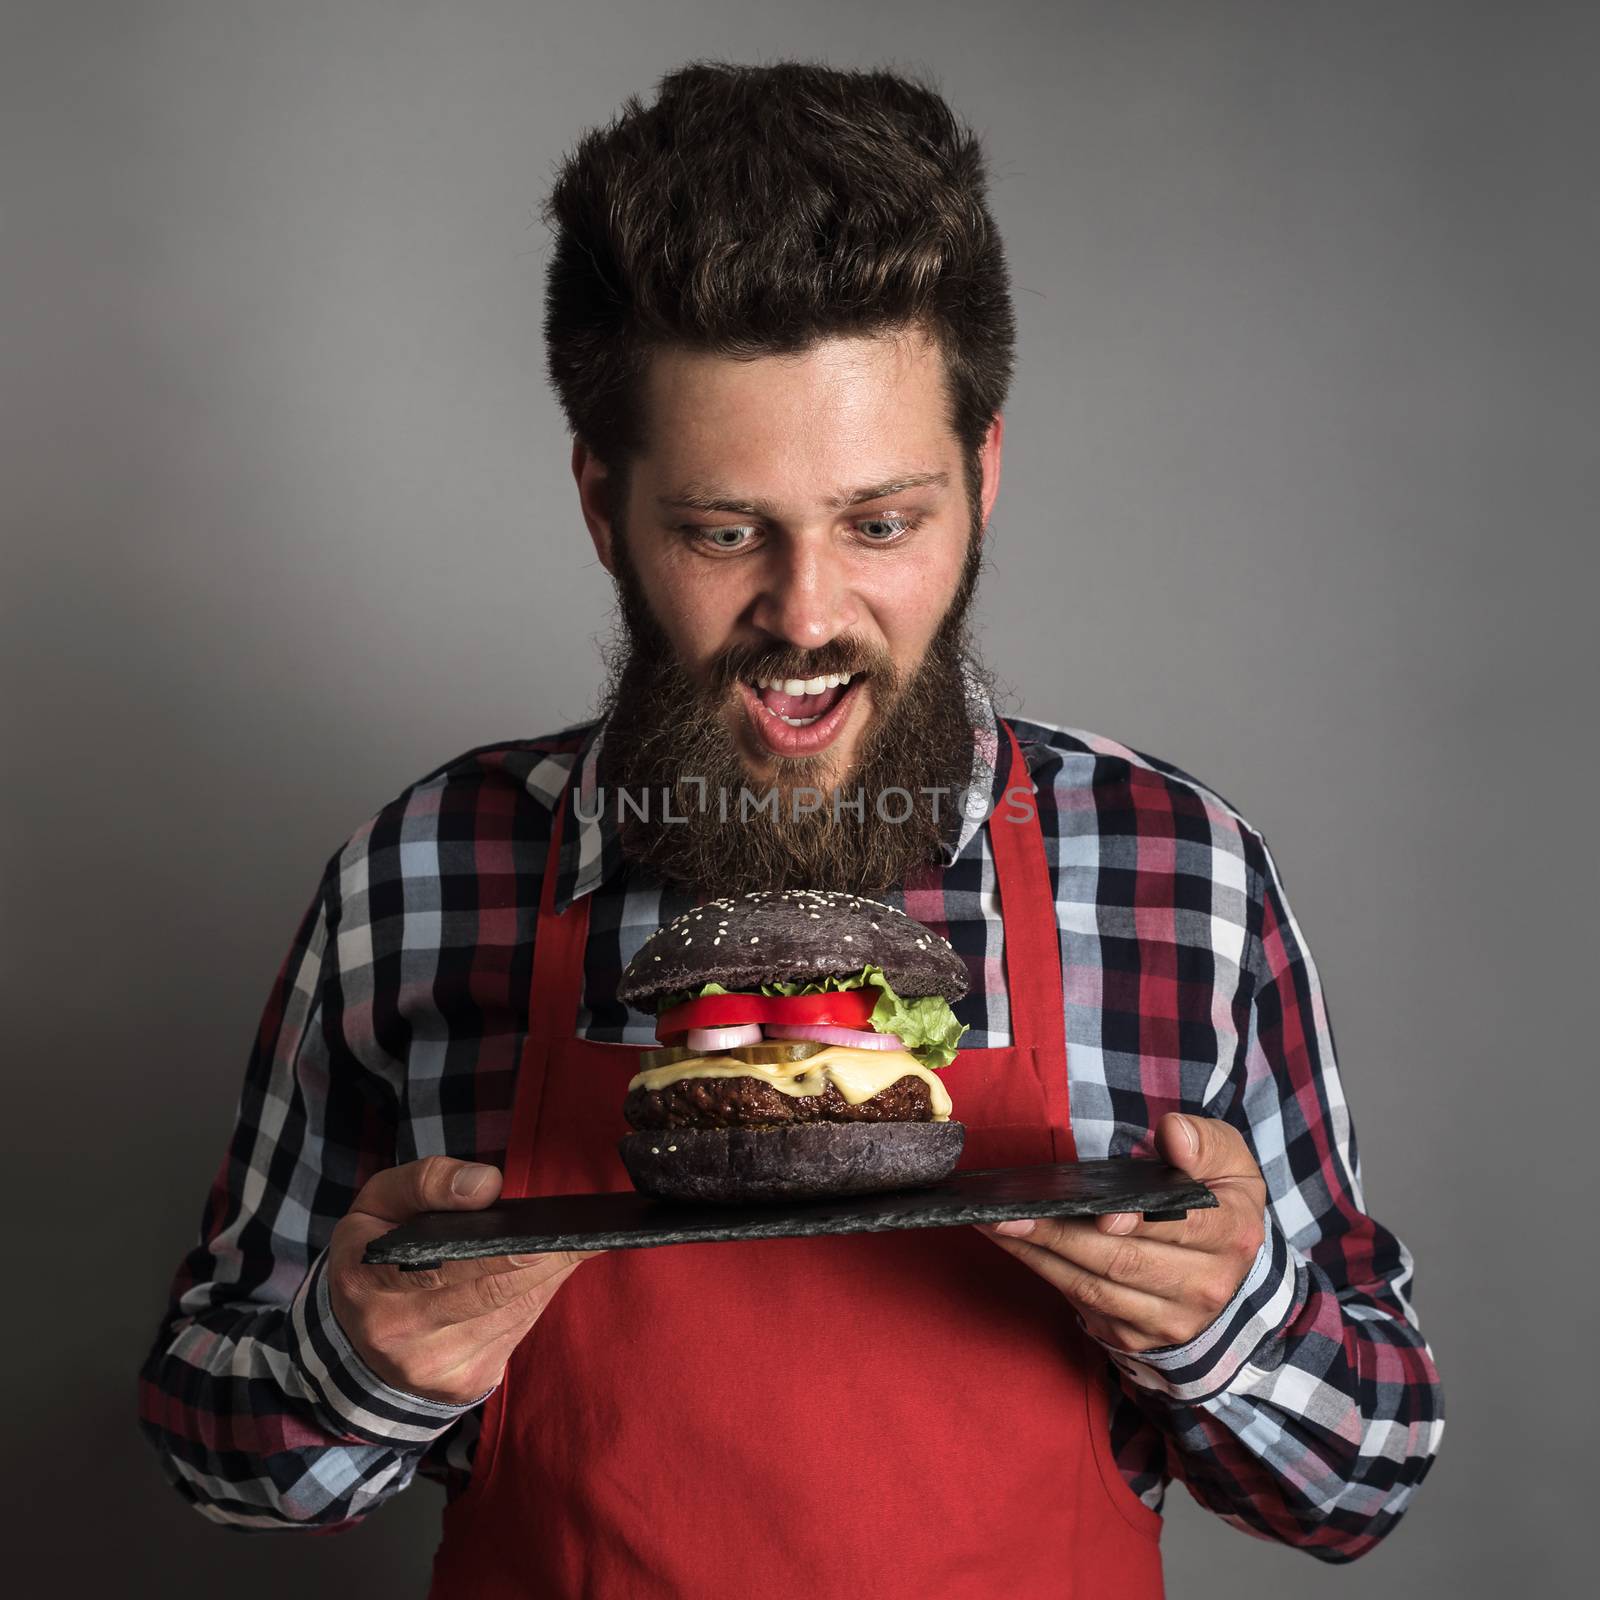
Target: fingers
<point>1216,1153</point>
<point>1205,1229</point>
<point>356,1280</point>
<point>457,1333</point>
<point>447,1342</point>
<point>455,1291</point>
<point>484,1297</point>
<point>1210,1228</point>
<point>1153,1265</point>
<point>1088,1291</point>
<point>1123,1224</point>
<point>443,1333</point>
<point>450,1274</point>
<point>1141,1285</point>
<point>456,1283</point>
<point>1168,1291</point>
<point>435,1183</point>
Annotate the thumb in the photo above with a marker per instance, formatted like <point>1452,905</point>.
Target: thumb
<point>1202,1147</point>
<point>435,1183</point>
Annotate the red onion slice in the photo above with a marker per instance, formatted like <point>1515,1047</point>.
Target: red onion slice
<point>724,1038</point>
<point>824,1033</point>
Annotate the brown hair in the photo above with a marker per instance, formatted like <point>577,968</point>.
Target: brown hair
<point>753,210</point>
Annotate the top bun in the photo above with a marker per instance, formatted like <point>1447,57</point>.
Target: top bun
<point>791,935</point>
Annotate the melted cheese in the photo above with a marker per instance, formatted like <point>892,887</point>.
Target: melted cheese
<point>856,1074</point>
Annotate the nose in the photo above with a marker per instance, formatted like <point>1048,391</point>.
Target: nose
<point>805,596</point>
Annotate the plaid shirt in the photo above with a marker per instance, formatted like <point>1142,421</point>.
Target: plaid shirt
<point>1308,1412</point>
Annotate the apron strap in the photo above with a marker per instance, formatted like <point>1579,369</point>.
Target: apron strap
<point>553,998</point>
<point>557,987</point>
<point>1032,943</point>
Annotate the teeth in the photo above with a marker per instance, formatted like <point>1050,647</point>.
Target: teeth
<point>799,722</point>
<point>832,680</point>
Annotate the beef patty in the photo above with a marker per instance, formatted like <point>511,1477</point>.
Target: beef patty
<point>741,1102</point>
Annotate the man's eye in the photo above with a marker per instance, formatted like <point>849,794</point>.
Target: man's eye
<point>884,530</point>
<point>725,538</point>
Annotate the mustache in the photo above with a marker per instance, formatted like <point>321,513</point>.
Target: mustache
<point>751,662</point>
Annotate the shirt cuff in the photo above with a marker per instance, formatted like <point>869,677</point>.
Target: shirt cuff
<point>362,1404</point>
<point>1207,1364</point>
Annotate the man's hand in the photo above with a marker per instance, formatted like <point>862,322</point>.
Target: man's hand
<point>445,1334</point>
<point>1144,1285</point>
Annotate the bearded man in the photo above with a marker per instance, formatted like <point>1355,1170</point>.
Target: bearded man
<point>779,324</point>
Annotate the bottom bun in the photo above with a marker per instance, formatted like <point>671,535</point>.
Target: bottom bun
<point>798,1161</point>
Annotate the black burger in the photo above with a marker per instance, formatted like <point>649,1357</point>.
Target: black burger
<point>801,1032</point>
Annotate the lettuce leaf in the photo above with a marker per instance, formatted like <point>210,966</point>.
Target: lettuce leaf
<point>927,1027</point>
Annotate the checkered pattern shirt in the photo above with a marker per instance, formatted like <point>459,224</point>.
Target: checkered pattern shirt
<point>1308,1411</point>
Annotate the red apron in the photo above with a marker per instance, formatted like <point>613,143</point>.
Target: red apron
<point>914,1416</point>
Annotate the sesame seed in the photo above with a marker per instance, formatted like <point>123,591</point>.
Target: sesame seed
<point>672,1147</point>
<point>755,938</point>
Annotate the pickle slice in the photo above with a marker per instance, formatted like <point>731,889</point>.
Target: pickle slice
<point>774,1052</point>
<point>665,1058</point>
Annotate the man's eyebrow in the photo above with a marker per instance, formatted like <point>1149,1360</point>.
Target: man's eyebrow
<point>710,497</point>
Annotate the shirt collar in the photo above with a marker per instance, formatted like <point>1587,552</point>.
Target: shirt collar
<point>591,851</point>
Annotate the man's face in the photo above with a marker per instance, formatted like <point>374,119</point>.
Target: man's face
<point>794,519</point>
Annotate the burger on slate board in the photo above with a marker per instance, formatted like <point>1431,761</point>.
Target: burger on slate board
<point>801,1031</point>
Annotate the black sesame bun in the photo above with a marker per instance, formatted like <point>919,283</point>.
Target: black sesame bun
<point>790,934</point>
<point>799,1161</point>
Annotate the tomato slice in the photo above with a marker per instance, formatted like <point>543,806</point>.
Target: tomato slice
<point>838,1008</point>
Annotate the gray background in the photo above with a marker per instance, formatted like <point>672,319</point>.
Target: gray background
<point>1301,444</point>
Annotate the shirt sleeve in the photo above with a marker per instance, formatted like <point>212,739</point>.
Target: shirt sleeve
<point>1310,1410</point>
<point>261,1411</point>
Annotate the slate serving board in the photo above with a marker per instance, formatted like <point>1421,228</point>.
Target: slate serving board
<point>631,1221</point>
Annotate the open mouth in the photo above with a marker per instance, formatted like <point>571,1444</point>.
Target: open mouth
<point>802,701</point>
<point>800,716</point>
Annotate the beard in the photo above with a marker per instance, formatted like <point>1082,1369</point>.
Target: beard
<point>668,735</point>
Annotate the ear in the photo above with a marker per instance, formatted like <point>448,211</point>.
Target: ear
<point>590,473</point>
<point>989,460</point>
